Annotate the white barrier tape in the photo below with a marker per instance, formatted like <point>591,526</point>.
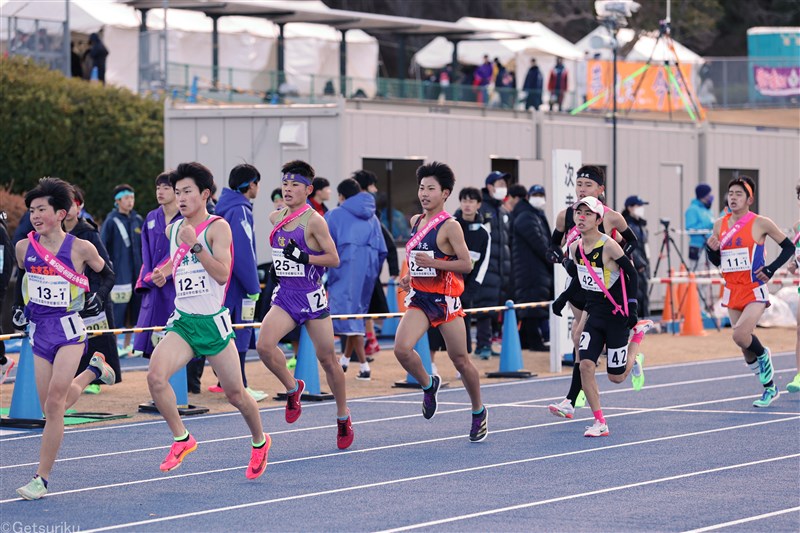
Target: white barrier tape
<point>118,331</point>
<point>718,281</point>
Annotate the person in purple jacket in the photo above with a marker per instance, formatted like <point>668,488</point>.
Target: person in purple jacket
<point>158,301</point>
<point>235,206</point>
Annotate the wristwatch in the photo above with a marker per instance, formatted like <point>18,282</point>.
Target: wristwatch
<point>197,248</point>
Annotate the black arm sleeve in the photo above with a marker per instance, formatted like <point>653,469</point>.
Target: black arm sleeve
<point>630,241</point>
<point>570,267</point>
<point>107,279</point>
<point>555,240</point>
<point>787,251</point>
<point>631,277</point>
<point>18,300</point>
<point>714,256</point>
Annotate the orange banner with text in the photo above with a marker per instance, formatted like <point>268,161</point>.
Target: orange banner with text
<point>656,92</point>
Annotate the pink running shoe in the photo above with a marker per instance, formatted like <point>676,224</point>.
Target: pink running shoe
<point>293,407</point>
<point>372,346</point>
<point>215,388</point>
<point>345,434</point>
<point>177,452</point>
<point>258,459</point>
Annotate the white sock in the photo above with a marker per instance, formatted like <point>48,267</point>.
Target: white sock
<point>434,370</point>
<point>364,367</point>
<point>754,367</point>
<point>344,361</point>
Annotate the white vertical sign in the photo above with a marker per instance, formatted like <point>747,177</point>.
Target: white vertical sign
<point>565,166</point>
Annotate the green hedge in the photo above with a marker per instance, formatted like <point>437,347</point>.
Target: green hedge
<point>93,136</point>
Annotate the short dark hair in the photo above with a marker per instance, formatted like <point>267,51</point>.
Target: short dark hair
<point>517,191</point>
<point>198,172</point>
<point>276,192</point>
<point>122,187</point>
<point>441,172</point>
<point>469,193</point>
<point>298,166</point>
<point>57,191</point>
<point>164,178</point>
<point>348,188</point>
<point>365,178</point>
<point>318,184</point>
<point>741,181</point>
<point>242,176</point>
<point>77,194</point>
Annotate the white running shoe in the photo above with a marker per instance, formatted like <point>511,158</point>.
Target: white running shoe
<point>598,429</point>
<point>643,326</point>
<point>562,409</point>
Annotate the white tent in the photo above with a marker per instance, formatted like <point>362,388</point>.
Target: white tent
<point>247,45</point>
<point>647,45</point>
<point>541,44</point>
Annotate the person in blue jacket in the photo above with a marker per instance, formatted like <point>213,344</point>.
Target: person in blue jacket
<point>359,241</point>
<point>122,236</point>
<point>699,217</point>
<point>235,206</point>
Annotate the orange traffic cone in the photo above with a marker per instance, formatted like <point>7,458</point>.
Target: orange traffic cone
<point>693,321</point>
<point>666,314</point>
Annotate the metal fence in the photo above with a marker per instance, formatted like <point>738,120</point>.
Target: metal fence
<point>45,41</point>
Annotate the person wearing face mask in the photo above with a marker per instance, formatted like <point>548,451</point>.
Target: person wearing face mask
<point>699,217</point>
<point>634,216</point>
<point>532,272</point>
<point>498,283</point>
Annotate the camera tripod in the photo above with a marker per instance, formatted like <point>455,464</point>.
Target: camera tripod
<point>667,245</point>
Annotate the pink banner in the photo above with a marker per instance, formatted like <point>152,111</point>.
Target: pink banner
<point>777,81</point>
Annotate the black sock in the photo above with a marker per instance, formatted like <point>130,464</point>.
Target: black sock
<point>184,438</point>
<point>770,384</point>
<point>575,385</point>
<point>755,347</point>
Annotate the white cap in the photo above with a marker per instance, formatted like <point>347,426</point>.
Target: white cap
<point>594,204</point>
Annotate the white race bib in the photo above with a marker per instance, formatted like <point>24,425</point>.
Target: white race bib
<point>735,260</point>
<point>418,271</point>
<point>453,304</point>
<point>286,268</point>
<point>248,310</point>
<point>617,357</point>
<point>223,322</point>
<point>121,294</point>
<point>192,281</point>
<point>73,326</point>
<point>474,257</point>
<point>587,282</point>
<point>317,300</point>
<point>96,322</point>
<point>50,291</point>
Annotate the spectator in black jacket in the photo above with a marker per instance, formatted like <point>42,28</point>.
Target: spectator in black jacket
<point>634,216</point>
<point>98,52</point>
<point>533,274</point>
<point>6,267</point>
<point>479,244</point>
<point>497,287</point>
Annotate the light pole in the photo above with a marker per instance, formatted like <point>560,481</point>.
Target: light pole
<point>613,14</point>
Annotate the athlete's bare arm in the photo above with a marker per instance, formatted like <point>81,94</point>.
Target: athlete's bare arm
<point>611,252</point>
<point>218,262</point>
<point>85,254</point>
<point>319,239</point>
<point>713,240</point>
<point>22,247</point>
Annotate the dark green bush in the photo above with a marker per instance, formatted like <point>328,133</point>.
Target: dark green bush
<point>90,135</point>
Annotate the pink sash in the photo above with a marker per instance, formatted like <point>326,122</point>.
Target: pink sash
<point>183,249</point>
<point>286,220</point>
<point>593,274</point>
<point>419,235</point>
<point>79,280</point>
<point>728,236</point>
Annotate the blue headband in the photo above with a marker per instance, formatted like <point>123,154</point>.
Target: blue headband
<point>122,194</point>
<point>296,177</point>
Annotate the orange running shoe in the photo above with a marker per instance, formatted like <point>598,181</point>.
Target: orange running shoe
<point>177,452</point>
<point>258,459</point>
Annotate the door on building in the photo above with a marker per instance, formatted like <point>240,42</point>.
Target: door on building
<point>397,192</point>
<point>728,174</point>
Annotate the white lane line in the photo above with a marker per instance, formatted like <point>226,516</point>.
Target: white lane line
<point>584,494</point>
<point>391,396</point>
<point>744,520</point>
<point>400,445</point>
<point>473,469</point>
<point>389,419</point>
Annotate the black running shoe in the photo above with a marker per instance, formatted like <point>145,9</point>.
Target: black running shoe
<point>479,429</point>
<point>429,398</point>
<point>363,375</point>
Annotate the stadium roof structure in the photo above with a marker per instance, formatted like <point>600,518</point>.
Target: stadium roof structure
<point>283,12</point>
